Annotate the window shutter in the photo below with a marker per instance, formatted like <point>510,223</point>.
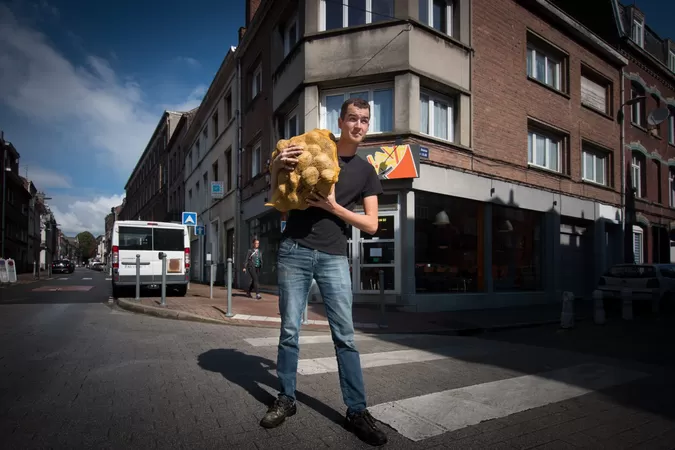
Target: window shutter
<point>593,94</point>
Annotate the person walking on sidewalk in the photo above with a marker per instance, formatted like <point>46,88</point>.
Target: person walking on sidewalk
<point>314,246</point>
<point>252,267</point>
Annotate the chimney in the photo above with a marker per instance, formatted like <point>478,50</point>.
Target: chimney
<point>242,31</point>
<point>251,8</point>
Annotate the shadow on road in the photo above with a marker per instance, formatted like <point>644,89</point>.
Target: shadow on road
<point>250,371</point>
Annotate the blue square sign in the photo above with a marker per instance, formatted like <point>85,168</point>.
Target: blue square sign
<point>199,230</point>
<point>190,218</point>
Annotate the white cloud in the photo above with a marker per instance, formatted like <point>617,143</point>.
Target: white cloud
<point>187,61</point>
<point>193,100</point>
<point>46,178</point>
<point>79,215</point>
<point>107,113</point>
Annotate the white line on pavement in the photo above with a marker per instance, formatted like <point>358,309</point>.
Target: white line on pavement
<point>327,339</point>
<point>108,279</point>
<point>86,278</point>
<point>422,417</point>
<point>63,279</point>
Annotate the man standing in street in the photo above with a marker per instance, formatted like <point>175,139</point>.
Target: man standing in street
<point>314,246</point>
<point>252,266</point>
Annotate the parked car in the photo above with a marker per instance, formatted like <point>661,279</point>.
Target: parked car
<point>148,239</point>
<point>644,281</point>
<point>63,266</point>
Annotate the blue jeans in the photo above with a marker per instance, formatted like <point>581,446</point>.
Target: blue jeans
<point>297,266</point>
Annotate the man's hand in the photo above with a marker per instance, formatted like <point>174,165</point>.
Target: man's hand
<point>327,203</point>
<point>287,158</point>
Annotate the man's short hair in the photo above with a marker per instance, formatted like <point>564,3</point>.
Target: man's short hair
<point>357,102</point>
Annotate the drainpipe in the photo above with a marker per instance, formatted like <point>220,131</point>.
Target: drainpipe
<point>623,171</point>
<point>238,211</point>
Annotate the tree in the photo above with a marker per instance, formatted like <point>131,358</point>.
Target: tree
<point>87,243</point>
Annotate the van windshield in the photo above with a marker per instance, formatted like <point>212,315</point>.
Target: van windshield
<point>140,238</point>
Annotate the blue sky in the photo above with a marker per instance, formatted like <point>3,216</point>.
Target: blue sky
<point>83,84</point>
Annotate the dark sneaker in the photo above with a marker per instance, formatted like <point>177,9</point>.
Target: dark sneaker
<point>362,424</point>
<point>276,414</point>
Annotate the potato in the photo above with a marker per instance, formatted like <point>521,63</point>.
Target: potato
<point>317,170</point>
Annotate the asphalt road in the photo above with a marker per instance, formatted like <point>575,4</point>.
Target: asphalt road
<point>76,372</point>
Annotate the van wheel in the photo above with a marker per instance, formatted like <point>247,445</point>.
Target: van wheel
<point>181,291</point>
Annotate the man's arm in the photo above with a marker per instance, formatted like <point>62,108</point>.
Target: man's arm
<point>367,222</point>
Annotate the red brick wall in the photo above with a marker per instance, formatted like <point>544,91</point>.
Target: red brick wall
<point>251,8</point>
<point>503,98</point>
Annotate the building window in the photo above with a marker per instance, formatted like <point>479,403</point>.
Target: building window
<point>437,14</point>
<point>638,35</point>
<point>657,168</point>
<point>255,160</point>
<point>437,116</point>
<point>291,35</point>
<point>214,167</point>
<point>671,188</point>
<point>638,244</point>
<point>448,244</point>
<point>595,164</point>
<point>291,125</point>
<point>349,13</point>
<point>205,134</point>
<point>189,162</point>
<point>228,168</point>
<point>228,108</point>
<point>545,149</point>
<point>671,60</point>
<point>595,91</point>
<point>671,126</point>
<point>516,249</point>
<point>197,149</point>
<point>638,108</point>
<point>545,63</point>
<point>256,82</point>
<point>381,100</point>
<point>215,124</point>
<point>636,175</point>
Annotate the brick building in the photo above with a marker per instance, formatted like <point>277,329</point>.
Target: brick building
<point>177,152</point>
<point>16,208</point>
<point>146,189</point>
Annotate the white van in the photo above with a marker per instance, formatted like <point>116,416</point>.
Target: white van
<point>148,239</point>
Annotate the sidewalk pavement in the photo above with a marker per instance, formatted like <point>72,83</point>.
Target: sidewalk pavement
<point>367,318</point>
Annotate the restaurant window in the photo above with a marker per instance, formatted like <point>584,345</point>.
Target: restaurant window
<point>448,244</point>
<point>516,249</point>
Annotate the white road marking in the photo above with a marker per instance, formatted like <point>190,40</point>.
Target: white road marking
<point>63,279</point>
<point>86,278</point>
<point>425,416</point>
<point>327,339</point>
<point>108,279</point>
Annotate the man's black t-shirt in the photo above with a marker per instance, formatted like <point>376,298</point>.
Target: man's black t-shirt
<point>318,229</point>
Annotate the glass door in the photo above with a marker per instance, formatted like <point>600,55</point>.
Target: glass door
<point>370,254</point>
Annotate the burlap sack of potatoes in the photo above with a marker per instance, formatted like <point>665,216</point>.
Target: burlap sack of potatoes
<point>317,170</point>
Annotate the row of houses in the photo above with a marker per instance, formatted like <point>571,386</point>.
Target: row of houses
<point>522,180</point>
<point>29,233</point>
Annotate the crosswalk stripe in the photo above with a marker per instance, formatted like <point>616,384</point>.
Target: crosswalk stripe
<point>86,278</point>
<point>108,279</point>
<point>327,339</point>
<point>425,416</point>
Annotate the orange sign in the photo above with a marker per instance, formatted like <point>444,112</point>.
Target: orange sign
<point>394,162</point>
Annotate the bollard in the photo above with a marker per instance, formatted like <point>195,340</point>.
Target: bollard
<point>567,316</point>
<point>383,320</point>
<point>229,288</point>
<point>211,267</point>
<point>599,307</point>
<point>138,277</point>
<point>305,313</point>
<point>163,257</point>
<point>656,301</point>
<point>627,304</point>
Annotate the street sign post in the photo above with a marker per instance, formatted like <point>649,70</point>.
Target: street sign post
<point>217,189</point>
<point>189,218</point>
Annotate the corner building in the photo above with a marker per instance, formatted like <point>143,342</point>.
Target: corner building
<point>466,221</point>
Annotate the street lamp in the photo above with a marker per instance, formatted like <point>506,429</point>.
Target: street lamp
<point>4,194</point>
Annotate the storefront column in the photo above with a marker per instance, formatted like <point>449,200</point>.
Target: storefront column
<point>601,246</point>
<point>309,100</point>
<point>407,263</point>
<point>487,247</point>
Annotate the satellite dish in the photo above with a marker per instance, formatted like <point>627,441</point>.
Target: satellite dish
<point>657,116</point>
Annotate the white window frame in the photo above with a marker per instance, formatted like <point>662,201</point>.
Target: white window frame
<point>638,32</point>
<point>370,88</point>
<point>597,156</point>
<point>638,256</point>
<point>636,175</point>
<point>550,137</point>
<point>671,60</point>
<point>671,127</point>
<point>449,12</point>
<point>287,35</point>
<point>287,124</point>
<point>345,14</point>
<point>256,82</point>
<point>533,50</point>
<point>636,108</point>
<point>671,188</point>
<point>255,163</point>
<point>433,99</point>
<point>591,86</point>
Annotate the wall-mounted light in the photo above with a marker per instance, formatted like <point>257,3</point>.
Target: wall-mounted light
<point>442,219</point>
